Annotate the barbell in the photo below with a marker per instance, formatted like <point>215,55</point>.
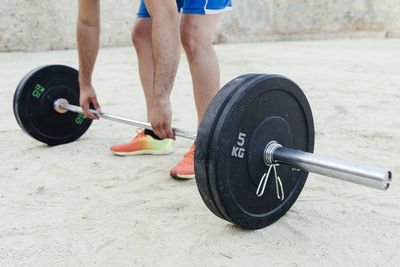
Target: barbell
<point>253,148</point>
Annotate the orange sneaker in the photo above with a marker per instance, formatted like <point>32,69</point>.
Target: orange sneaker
<point>185,168</point>
<point>143,144</point>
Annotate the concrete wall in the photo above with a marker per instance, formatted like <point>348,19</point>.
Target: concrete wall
<point>50,24</point>
<point>309,19</point>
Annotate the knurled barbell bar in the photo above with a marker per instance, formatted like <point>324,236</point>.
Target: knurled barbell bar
<point>253,147</point>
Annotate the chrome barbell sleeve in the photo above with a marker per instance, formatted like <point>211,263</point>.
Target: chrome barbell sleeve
<point>336,168</point>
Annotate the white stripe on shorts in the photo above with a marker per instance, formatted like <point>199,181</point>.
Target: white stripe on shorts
<point>205,6</point>
<point>217,11</point>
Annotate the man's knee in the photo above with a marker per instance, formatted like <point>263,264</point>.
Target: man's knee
<point>141,33</point>
<point>187,39</point>
<point>194,38</point>
<point>192,42</point>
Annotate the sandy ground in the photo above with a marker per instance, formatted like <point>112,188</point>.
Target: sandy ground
<point>77,204</point>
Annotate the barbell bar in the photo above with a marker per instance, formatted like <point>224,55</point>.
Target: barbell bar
<point>62,104</point>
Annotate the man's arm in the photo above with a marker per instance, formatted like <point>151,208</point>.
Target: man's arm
<point>88,35</point>
<point>165,38</point>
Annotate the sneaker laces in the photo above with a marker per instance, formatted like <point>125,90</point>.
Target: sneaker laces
<point>139,134</point>
<point>188,157</point>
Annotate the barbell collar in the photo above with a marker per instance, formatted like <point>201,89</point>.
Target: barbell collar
<point>61,104</point>
<point>357,173</point>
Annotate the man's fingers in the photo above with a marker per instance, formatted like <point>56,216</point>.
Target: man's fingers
<point>167,130</point>
<point>86,112</point>
<point>158,131</point>
<point>162,134</point>
<point>163,130</point>
<point>85,109</point>
<point>96,104</point>
<point>155,129</point>
<point>169,133</point>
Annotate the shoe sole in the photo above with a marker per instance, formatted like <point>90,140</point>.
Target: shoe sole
<point>143,152</point>
<point>188,176</point>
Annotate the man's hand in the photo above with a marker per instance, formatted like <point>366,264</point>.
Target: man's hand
<point>160,119</point>
<point>87,96</point>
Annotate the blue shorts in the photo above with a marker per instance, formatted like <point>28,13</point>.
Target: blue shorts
<point>193,7</point>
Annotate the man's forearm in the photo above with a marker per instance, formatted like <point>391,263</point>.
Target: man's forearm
<point>166,58</point>
<point>165,38</point>
<point>88,35</point>
<point>88,47</point>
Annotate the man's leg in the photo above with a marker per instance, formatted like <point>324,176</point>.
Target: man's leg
<point>196,37</point>
<point>197,33</point>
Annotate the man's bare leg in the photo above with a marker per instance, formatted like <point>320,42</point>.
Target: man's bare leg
<point>197,33</point>
<point>197,36</point>
<point>141,38</point>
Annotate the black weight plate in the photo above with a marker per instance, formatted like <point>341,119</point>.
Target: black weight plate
<point>271,107</point>
<point>204,137</point>
<point>33,105</point>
